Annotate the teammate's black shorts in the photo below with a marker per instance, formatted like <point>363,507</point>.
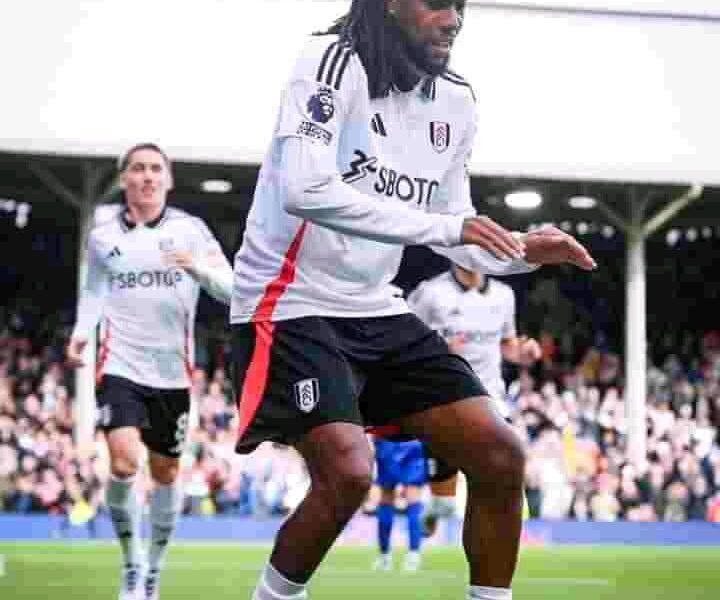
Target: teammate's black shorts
<point>161,415</point>
<point>292,376</point>
<point>437,469</point>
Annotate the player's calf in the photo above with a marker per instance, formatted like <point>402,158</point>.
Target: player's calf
<point>340,467</point>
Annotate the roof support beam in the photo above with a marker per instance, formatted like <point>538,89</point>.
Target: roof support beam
<point>637,230</point>
<point>84,201</point>
<point>671,209</point>
<point>57,187</point>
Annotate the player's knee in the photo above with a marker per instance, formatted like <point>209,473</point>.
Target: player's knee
<point>165,475</point>
<point>387,496</point>
<point>503,465</point>
<point>123,467</point>
<point>349,480</point>
<point>355,480</point>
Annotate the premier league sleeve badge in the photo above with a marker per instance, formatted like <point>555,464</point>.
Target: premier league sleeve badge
<point>321,105</point>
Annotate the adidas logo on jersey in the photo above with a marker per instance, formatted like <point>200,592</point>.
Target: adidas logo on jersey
<point>377,125</point>
<point>115,252</point>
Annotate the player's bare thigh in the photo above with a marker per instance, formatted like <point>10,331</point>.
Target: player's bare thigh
<point>470,434</point>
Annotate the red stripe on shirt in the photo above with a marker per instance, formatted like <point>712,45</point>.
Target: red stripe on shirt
<point>277,287</point>
<point>257,372</point>
<point>188,362</point>
<point>103,353</point>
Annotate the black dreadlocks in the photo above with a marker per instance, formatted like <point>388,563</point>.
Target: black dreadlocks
<point>381,46</point>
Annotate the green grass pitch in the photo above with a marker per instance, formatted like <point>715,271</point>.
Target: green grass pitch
<point>79,571</point>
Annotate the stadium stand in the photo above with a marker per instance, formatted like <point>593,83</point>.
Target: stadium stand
<point>572,418</point>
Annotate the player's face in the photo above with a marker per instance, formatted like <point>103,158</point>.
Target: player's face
<point>146,178</point>
<point>433,24</point>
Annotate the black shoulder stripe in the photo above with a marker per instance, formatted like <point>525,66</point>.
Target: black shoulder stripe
<point>330,72</point>
<point>341,70</point>
<point>323,62</point>
<point>461,82</point>
<point>455,75</point>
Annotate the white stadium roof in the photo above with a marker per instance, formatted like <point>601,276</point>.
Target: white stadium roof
<point>620,90</point>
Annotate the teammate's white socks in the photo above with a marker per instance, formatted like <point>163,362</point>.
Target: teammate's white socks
<point>164,511</point>
<point>125,515</point>
<point>478,592</point>
<point>274,586</point>
<point>441,506</point>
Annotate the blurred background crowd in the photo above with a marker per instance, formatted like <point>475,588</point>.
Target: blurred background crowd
<point>569,409</point>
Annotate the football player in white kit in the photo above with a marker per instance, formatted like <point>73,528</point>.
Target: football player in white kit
<point>369,154</point>
<point>146,265</point>
<point>475,314</point>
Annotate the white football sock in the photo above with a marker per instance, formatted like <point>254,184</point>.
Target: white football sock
<point>478,592</point>
<point>124,510</point>
<point>164,511</point>
<point>275,586</point>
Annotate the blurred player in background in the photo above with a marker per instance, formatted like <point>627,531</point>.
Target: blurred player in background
<point>369,154</point>
<point>146,265</point>
<point>475,314</point>
<point>399,463</point>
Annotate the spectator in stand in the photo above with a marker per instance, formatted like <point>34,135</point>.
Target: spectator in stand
<point>713,509</point>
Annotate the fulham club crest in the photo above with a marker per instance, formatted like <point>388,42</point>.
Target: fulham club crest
<point>307,394</point>
<point>440,135</point>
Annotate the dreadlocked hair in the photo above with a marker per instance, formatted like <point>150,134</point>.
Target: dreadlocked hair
<point>365,29</point>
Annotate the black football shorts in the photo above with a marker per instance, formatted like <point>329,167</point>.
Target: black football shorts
<point>160,414</point>
<point>291,376</point>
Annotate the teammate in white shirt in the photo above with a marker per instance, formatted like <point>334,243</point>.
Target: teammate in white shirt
<point>146,265</point>
<point>475,314</point>
<point>370,154</point>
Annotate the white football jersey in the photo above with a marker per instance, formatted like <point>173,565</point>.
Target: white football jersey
<point>146,309</point>
<point>347,182</point>
<point>480,318</point>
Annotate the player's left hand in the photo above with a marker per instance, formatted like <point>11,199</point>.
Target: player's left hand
<point>551,246</point>
<point>529,350</point>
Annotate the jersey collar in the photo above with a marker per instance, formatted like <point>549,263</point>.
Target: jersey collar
<point>128,225</point>
<point>463,288</point>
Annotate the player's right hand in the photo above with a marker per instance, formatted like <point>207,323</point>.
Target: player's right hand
<point>74,351</point>
<point>484,232</point>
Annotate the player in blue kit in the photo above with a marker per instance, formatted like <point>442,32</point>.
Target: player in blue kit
<point>399,463</point>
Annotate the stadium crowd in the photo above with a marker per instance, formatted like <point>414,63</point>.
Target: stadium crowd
<point>571,416</point>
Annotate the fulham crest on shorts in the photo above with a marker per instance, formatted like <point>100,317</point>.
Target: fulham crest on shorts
<point>307,394</point>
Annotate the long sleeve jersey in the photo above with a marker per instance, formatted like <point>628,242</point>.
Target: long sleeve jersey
<point>146,309</point>
<point>348,181</point>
